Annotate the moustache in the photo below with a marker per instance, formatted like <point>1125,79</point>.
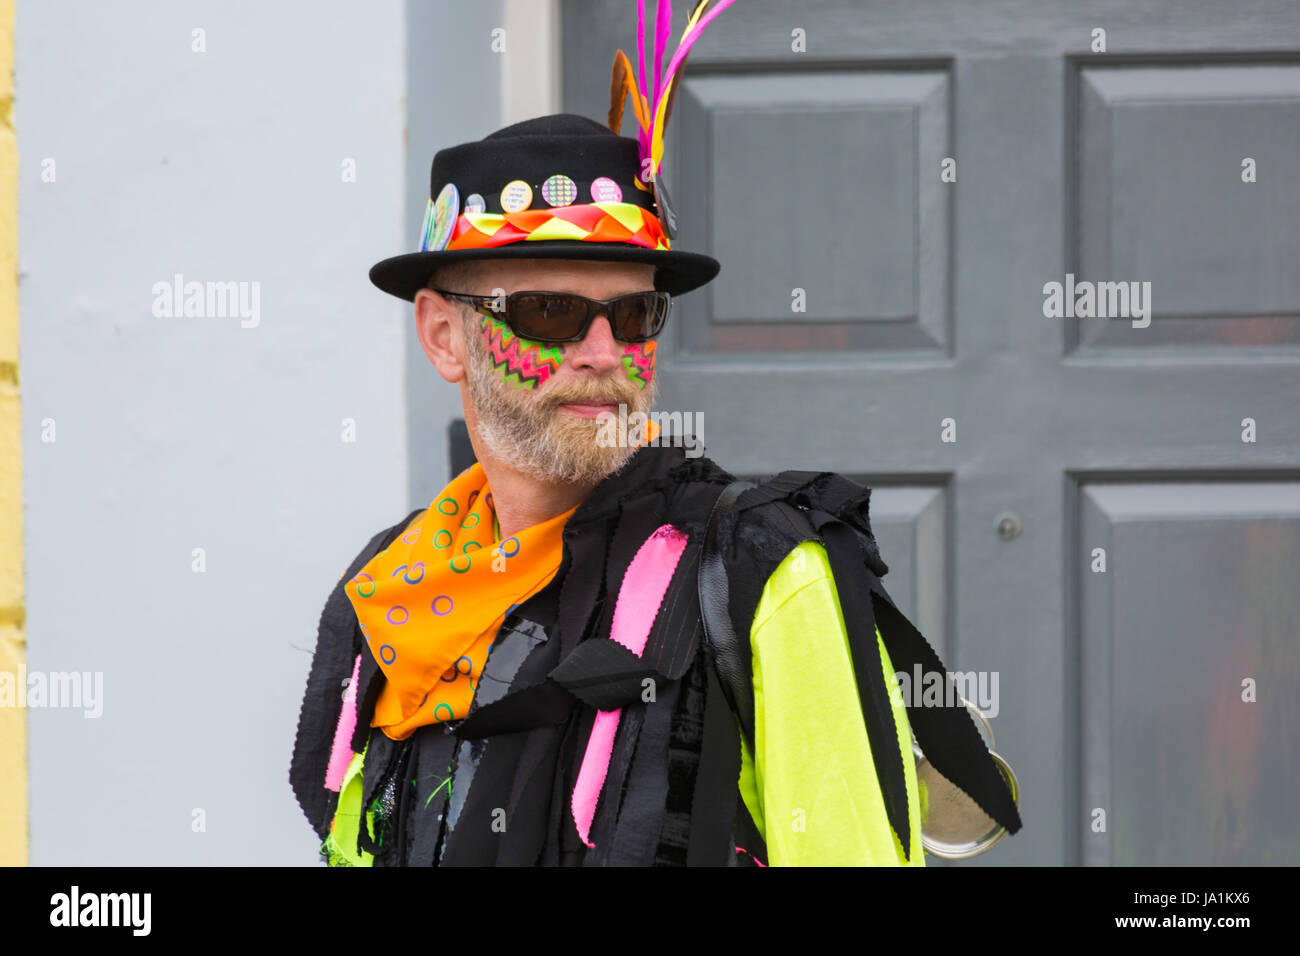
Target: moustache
<point>595,395</point>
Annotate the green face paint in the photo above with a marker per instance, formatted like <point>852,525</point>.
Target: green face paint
<point>521,362</point>
<point>639,362</point>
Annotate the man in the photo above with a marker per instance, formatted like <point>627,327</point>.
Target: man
<point>595,652</point>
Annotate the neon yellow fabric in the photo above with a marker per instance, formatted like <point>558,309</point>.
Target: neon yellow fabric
<point>810,783</point>
<point>340,846</point>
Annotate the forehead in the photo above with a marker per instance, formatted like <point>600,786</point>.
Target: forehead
<point>598,280</point>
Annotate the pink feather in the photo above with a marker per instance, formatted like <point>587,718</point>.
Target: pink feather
<point>689,40</point>
<point>640,42</point>
<point>663,30</point>
<point>643,141</point>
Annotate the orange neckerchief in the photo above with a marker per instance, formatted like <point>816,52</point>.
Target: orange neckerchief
<point>430,604</point>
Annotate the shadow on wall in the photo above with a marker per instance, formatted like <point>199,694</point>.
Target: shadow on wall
<point>460,453</point>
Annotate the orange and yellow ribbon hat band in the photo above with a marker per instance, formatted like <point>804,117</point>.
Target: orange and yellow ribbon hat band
<point>592,222</point>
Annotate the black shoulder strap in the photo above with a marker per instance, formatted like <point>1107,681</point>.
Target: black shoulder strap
<point>726,652</point>
<point>715,799</point>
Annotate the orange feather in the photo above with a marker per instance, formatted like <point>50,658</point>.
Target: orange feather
<point>622,82</point>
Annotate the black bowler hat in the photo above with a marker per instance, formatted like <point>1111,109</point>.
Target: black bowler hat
<point>542,178</point>
<point>563,187</point>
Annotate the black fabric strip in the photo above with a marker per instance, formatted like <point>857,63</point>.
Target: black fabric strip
<point>713,804</point>
<point>782,486</point>
<point>609,806</point>
<point>378,762</point>
<point>545,704</point>
<point>389,809</point>
<point>430,786</point>
<point>754,548</point>
<point>604,674</point>
<point>571,850</point>
<point>520,772</point>
<point>370,681</point>
<point>850,502</point>
<point>645,789</point>
<point>686,736</point>
<point>677,631</point>
<point>470,839</point>
<point>846,561</point>
<point>947,735</point>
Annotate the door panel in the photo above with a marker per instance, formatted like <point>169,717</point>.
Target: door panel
<point>874,319</point>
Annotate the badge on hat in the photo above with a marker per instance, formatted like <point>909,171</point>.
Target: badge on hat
<point>604,189</point>
<point>516,196</point>
<point>559,190</point>
<point>439,217</point>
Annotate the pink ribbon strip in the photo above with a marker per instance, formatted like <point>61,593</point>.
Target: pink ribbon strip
<point>645,582</point>
<point>341,753</point>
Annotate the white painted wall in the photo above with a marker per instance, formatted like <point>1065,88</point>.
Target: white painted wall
<point>178,433</point>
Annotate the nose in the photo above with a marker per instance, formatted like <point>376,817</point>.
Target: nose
<point>598,350</point>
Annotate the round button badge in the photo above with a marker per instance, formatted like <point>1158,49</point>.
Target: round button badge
<point>426,225</point>
<point>438,225</point>
<point>559,190</point>
<point>605,189</point>
<point>475,203</point>
<point>516,195</point>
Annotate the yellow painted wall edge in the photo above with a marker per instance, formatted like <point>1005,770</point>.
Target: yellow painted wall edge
<point>13,719</point>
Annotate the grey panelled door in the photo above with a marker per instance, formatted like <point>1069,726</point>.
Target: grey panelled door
<point>1103,511</point>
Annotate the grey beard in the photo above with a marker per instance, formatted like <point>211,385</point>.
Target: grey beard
<point>560,449</point>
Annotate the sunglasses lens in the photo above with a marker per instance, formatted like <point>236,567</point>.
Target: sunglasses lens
<point>559,316</point>
<point>639,316</point>
<point>547,315</point>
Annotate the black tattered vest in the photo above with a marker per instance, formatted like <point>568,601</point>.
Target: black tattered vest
<point>494,788</point>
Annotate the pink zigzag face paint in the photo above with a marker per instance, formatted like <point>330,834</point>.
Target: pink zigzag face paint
<point>639,362</point>
<point>521,362</point>
<point>525,363</point>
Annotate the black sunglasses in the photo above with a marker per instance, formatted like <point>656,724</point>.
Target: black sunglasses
<point>555,317</point>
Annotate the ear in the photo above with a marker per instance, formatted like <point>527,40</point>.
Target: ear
<point>440,331</point>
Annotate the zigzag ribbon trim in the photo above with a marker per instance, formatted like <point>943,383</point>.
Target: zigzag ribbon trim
<point>590,222</point>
